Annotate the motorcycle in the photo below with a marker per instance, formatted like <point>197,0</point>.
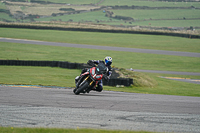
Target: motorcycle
<point>88,80</point>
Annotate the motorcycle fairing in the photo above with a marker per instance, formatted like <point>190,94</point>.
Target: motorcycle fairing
<point>94,75</point>
<point>86,73</point>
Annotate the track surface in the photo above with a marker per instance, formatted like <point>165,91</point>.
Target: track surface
<point>51,107</point>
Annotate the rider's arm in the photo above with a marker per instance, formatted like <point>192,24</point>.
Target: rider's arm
<point>109,72</point>
<point>91,62</point>
<point>96,61</point>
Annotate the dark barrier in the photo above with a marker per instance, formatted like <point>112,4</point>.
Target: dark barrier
<point>64,64</point>
<point>118,81</point>
<point>72,66</point>
<point>54,64</point>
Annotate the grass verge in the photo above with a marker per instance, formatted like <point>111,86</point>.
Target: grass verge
<point>57,130</point>
<point>48,76</point>
<point>164,86</point>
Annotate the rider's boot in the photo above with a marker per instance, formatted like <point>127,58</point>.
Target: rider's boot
<point>94,89</point>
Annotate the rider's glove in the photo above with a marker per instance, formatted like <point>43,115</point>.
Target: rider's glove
<point>91,63</point>
<point>106,78</point>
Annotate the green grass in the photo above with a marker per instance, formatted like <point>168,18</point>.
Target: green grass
<point>47,76</point>
<point>46,9</point>
<point>106,39</point>
<point>57,130</point>
<point>158,14</point>
<point>2,5</point>
<point>133,60</point>
<point>75,2</point>
<point>170,87</point>
<point>6,16</point>
<point>163,23</point>
<point>158,23</point>
<point>82,17</point>
<point>139,16</point>
<point>152,83</point>
<point>95,17</point>
<point>150,3</point>
<point>121,59</point>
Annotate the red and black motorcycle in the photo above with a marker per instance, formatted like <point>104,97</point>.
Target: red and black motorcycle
<point>90,78</point>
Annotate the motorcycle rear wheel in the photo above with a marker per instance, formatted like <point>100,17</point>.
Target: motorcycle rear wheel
<point>81,88</point>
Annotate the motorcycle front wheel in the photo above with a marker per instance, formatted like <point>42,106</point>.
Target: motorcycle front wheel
<point>81,88</point>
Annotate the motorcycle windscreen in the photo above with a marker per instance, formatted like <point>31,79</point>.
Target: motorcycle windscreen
<point>101,68</point>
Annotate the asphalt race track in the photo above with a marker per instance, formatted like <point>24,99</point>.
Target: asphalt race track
<point>60,108</point>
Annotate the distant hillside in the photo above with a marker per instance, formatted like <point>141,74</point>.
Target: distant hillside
<point>167,15</point>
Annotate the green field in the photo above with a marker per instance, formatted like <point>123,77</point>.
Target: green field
<point>90,16</point>
<point>121,59</point>
<point>6,16</point>
<point>106,39</point>
<point>150,3</point>
<point>64,77</point>
<point>156,23</point>
<point>75,2</point>
<point>15,51</point>
<point>159,14</point>
<point>45,76</point>
<point>2,5</point>
<point>142,17</point>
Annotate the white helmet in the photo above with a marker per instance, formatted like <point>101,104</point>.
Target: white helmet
<point>108,60</point>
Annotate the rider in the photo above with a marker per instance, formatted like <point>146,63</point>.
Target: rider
<point>108,62</point>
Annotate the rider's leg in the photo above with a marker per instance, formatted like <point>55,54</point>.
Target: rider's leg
<point>99,87</point>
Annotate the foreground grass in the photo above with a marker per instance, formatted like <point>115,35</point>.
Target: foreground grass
<point>48,76</point>
<point>57,130</point>
<point>106,39</point>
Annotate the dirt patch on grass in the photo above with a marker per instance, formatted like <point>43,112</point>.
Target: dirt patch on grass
<point>139,79</point>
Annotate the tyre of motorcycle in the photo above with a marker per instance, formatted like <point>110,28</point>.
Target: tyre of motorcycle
<point>81,88</point>
<point>78,82</point>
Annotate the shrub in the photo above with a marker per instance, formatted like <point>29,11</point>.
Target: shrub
<point>67,9</point>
